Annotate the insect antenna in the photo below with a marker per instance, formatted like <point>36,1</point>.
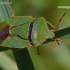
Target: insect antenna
<point>60,19</point>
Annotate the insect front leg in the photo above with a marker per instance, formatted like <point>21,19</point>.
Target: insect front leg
<point>38,51</point>
<point>54,27</point>
<point>58,40</point>
<point>57,26</point>
<point>52,44</point>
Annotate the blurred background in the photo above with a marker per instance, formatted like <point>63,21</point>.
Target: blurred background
<point>42,8</point>
<point>52,58</point>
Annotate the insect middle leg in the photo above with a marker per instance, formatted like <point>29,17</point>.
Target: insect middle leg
<point>56,40</point>
<point>38,52</point>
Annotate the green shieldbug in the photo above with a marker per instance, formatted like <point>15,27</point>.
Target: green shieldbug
<point>25,30</point>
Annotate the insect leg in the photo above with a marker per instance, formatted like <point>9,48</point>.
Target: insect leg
<point>60,19</point>
<point>54,27</point>
<point>58,40</point>
<point>52,44</point>
<point>38,52</point>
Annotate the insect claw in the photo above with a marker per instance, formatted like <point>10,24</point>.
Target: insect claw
<point>58,40</point>
<point>58,43</point>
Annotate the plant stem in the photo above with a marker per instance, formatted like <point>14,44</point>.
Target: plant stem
<point>23,60</point>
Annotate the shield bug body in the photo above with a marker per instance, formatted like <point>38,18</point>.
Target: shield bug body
<point>22,31</point>
<point>34,31</point>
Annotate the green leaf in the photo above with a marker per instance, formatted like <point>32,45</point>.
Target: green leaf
<point>24,60</point>
<point>6,63</point>
<point>5,13</point>
<point>63,33</point>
